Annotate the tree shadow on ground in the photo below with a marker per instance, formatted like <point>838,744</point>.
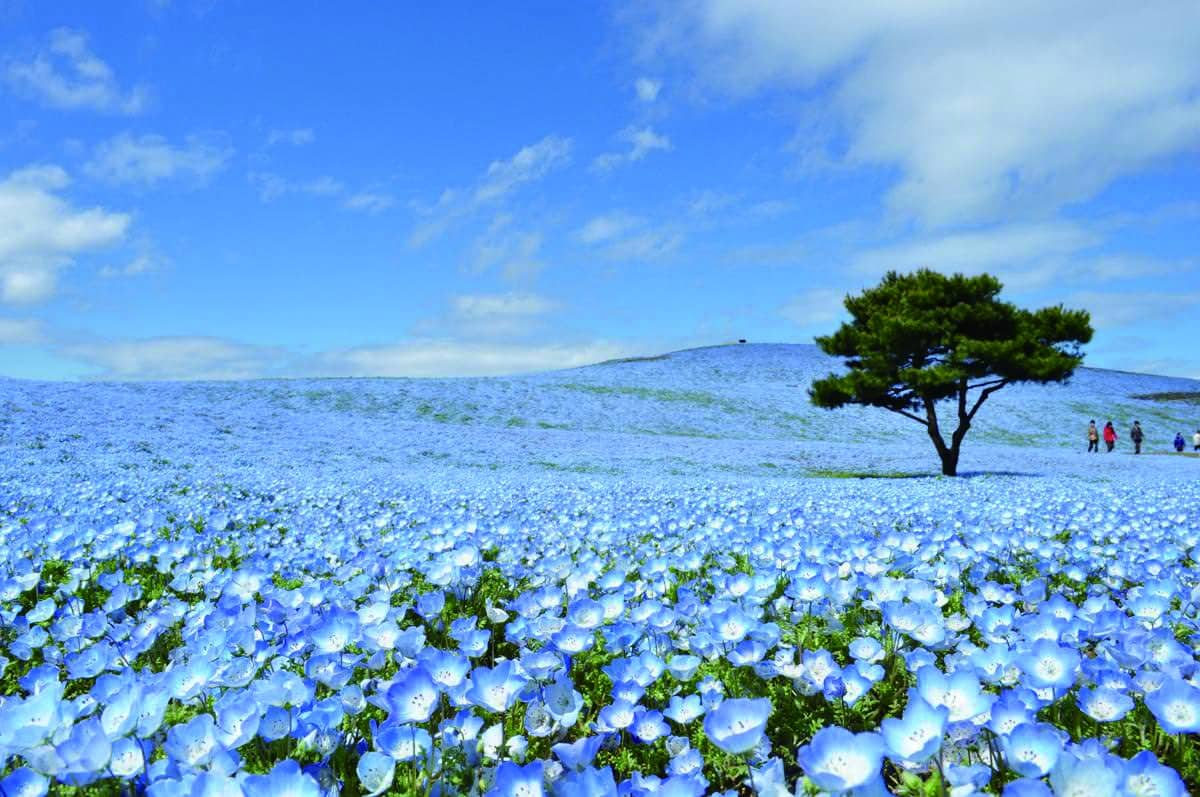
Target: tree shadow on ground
<point>829,473</point>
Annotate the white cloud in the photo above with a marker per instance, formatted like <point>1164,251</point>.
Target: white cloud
<point>641,140</point>
<point>655,244</point>
<point>1126,308</point>
<point>150,159</point>
<point>530,163</point>
<point>608,227</point>
<point>369,202</point>
<point>515,253</point>
<point>503,177</point>
<point>817,307</point>
<point>492,315</point>
<point>1024,256</point>
<point>981,249</point>
<point>647,89</point>
<point>298,137</point>
<point>987,110</point>
<point>271,186</point>
<point>626,237</point>
<point>442,358</point>
<point>15,331</point>
<point>321,186</point>
<point>182,357</point>
<point>66,74</point>
<point>203,357</point>
<point>142,264</point>
<point>41,233</point>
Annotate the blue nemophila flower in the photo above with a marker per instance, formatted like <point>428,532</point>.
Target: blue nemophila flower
<point>737,724</point>
<point>1076,776</point>
<point>629,691</point>
<point>24,782</point>
<point>447,669</point>
<point>538,722</point>
<point>412,697</point>
<point>187,680</point>
<point>1103,704</point>
<point>688,762</point>
<point>1144,776</point>
<point>193,743</point>
<point>587,782</point>
<point>578,755</point>
<point>430,604</point>
<point>837,760</point>
<point>563,701</point>
<point>833,687</point>
<point>1050,665</point>
<point>375,772</point>
<point>334,631</point>
<point>276,723</point>
<point>866,649</point>
<point>573,639</point>
<point>84,753</point>
<point>238,715</point>
<point>1032,749</point>
<point>43,611</point>
<point>616,716</point>
<point>959,692</point>
<point>1008,712</point>
<point>731,625</point>
<point>1176,706</point>
<point>30,721</point>
<point>495,689</point>
<point>1026,787</point>
<point>128,757</point>
<point>683,710</point>
<point>403,742</point>
<point>918,734</point>
<point>513,780</point>
<point>682,666</point>
<point>284,780</point>
<point>693,785</point>
<point>648,726</point>
<point>585,613</point>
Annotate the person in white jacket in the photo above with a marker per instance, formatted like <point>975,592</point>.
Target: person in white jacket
<point>1196,441</point>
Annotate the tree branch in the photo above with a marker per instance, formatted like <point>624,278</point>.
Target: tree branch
<point>935,433</point>
<point>983,397</point>
<point>987,383</point>
<point>908,414</point>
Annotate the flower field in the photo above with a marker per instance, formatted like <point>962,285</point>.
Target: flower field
<point>275,593</point>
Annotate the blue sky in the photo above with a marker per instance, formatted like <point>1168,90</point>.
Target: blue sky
<point>225,190</point>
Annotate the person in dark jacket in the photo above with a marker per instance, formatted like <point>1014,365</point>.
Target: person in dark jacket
<point>1135,434</point>
<point>1110,436</point>
<point>1093,437</point>
<point>1179,442</point>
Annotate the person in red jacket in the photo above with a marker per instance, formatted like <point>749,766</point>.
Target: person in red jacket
<point>1110,436</point>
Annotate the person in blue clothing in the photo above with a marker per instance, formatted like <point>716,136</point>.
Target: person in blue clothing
<point>1179,441</point>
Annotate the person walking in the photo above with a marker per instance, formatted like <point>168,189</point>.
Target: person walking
<point>1110,436</point>
<point>1179,442</point>
<point>1196,441</point>
<point>1094,438</point>
<point>1135,434</point>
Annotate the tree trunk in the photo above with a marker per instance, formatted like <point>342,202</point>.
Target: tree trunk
<point>949,460</point>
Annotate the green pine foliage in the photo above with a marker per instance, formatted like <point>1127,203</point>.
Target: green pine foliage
<point>917,340</point>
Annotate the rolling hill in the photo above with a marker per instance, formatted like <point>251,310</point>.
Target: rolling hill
<point>738,411</point>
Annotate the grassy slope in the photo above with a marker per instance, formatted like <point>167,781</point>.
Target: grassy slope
<point>717,410</point>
